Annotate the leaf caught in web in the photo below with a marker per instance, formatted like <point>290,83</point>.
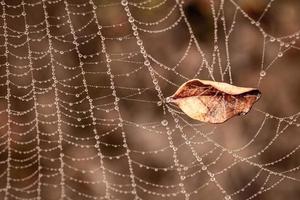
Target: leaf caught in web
<point>214,102</point>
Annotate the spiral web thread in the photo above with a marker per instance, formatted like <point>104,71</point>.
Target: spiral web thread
<point>80,93</point>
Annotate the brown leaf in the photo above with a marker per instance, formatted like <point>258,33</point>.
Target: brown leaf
<point>214,102</point>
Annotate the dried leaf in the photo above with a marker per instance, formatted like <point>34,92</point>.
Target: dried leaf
<point>214,102</point>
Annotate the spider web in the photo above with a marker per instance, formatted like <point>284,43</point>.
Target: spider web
<point>84,112</point>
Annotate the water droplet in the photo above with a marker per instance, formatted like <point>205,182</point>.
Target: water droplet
<point>243,113</point>
<point>131,19</point>
<point>164,122</point>
<point>147,63</point>
<point>280,54</point>
<point>124,2</point>
<point>168,100</point>
<point>134,27</point>
<point>263,73</point>
<point>227,197</point>
<point>139,42</point>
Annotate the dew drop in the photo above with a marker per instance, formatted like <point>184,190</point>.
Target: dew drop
<point>139,42</point>
<point>243,113</point>
<point>263,73</point>
<point>280,54</point>
<point>147,63</point>
<point>124,2</point>
<point>227,197</point>
<point>131,20</point>
<point>168,100</point>
<point>164,122</point>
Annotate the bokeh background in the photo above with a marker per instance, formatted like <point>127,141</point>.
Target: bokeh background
<point>56,144</point>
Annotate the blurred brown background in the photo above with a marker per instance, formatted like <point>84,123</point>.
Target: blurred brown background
<point>53,148</point>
